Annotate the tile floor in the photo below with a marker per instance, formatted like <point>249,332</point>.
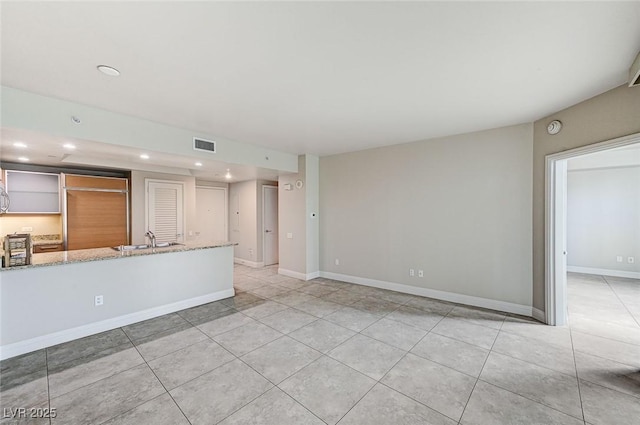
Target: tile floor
<point>283,351</point>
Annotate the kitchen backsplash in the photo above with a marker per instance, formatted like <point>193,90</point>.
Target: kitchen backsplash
<point>36,224</point>
<point>35,239</point>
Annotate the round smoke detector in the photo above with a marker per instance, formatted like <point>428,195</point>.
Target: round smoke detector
<point>554,127</point>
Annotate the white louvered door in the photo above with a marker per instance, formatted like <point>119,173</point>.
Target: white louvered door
<point>165,211</point>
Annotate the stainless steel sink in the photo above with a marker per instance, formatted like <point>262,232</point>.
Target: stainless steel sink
<point>144,246</point>
<point>166,244</point>
<point>129,247</point>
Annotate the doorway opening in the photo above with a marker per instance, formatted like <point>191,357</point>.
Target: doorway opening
<point>556,311</point>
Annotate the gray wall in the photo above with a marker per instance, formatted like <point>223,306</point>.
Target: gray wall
<point>245,217</point>
<point>612,114</point>
<point>292,219</point>
<point>603,218</point>
<point>457,207</point>
<point>298,214</point>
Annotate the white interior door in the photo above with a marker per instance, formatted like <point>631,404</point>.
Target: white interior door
<point>270,224</point>
<point>211,214</point>
<point>165,210</point>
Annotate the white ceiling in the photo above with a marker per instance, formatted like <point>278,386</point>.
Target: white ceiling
<point>45,149</point>
<point>322,77</point>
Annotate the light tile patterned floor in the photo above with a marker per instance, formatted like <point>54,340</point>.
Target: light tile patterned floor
<point>284,351</point>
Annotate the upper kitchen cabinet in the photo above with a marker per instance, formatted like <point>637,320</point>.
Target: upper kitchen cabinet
<point>31,192</point>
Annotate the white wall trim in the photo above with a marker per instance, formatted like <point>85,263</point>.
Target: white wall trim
<point>298,275</point>
<point>37,343</point>
<point>603,272</point>
<point>254,264</point>
<point>504,306</point>
<point>538,314</point>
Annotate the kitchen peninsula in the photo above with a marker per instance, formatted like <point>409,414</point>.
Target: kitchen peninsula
<point>53,300</point>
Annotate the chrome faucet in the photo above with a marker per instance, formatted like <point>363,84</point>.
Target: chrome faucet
<point>152,237</point>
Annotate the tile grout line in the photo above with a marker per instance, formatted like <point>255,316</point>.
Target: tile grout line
<point>620,299</point>
<point>479,374</point>
<point>575,363</point>
<point>46,365</point>
<point>274,385</point>
<point>158,379</point>
<point>129,410</point>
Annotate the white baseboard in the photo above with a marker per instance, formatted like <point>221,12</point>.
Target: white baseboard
<point>29,345</point>
<point>603,272</point>
<point>538,314</point>
<point>253,264</point>
<point>298,275</point>
<point>523,310</point>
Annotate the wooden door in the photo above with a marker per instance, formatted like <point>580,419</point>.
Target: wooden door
<point>96,219</point>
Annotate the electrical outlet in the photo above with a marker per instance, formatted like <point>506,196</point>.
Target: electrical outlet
<point>337,262</point>
<point>619,258</point>
<point>289,235</point>
<point>98,300</point>
<point>27,229</point>
<point>631,260</point>
<point>412,272</point>
<point>420,273</point>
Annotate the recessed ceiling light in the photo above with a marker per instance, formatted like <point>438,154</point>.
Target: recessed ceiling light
<point>198,164</point>
<point>108,70</point>
<point>69,146</point>
<point>23,159</point>
<point>144,156</point>
<point>20,145</point>
<point>228,175</point>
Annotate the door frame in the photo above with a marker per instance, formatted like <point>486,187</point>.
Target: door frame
<point>146,204</point>
<point>226,205</point>
<point>555,219</point>
<point>264,240</point>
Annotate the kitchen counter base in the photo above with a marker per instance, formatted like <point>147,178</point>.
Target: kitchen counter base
<point>45,306</point>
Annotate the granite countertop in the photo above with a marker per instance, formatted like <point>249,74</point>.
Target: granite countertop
<point>97,254</point>
<point>46,242</point>
<point>41,239</point>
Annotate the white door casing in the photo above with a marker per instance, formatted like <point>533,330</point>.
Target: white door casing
<point>165,210</point>
<point>556,223</point>
<point>211,213</point>
<point>270,225</point>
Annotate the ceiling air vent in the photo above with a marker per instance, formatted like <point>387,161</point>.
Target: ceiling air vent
<point>204,145</point>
